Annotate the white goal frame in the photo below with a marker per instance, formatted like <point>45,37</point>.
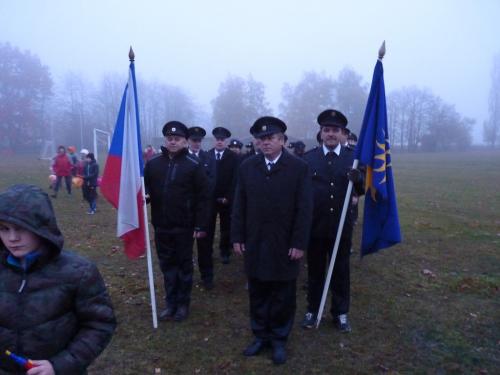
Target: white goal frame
<point>108,138</point>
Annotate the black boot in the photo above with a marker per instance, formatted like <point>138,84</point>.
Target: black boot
<point>181,313</point>
<point>168,313</point>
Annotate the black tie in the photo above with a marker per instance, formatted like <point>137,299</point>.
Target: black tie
<point>218,156</point>
<point>270,165</point>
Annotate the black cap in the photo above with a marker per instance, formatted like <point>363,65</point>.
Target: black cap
<point>196,133</point>
<point>299,145</point>
<point>331,117</point>
<point>220,132</point>
<point>235,143</point>
<point>267,125</point>
<point>175,128</point>
<point>249,145</point>
<point>352,136</point>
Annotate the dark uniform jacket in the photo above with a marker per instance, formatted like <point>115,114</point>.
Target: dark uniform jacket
<point>329,183</point>
<point>209,167</point>
<point>57,308</point>
<point>178,191</point>
<point>225,174</point>
<point>271,214</point>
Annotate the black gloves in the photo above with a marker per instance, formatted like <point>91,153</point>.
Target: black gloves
<point>354,175</point>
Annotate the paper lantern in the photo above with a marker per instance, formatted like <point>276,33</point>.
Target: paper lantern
<point>77,182</point>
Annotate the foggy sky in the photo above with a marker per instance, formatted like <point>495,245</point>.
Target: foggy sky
<point>444,45</point>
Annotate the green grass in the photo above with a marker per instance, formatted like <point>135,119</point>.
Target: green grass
<point>404,320</point>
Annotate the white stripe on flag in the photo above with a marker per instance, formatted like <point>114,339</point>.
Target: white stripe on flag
<point>130,182</point>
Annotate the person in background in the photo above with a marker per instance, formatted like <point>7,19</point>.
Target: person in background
<point>205,249</point>
<point>89,187</point>
<point>55,308</point>
<point>73,159</point>
<point>226,165</point>
<point>298,148</point>
<point>62,168</point>
<point>149,152</point>
<point>235,146</point>
<point>352,139</point>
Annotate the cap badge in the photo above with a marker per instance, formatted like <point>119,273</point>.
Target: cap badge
<point>174,129</point>
<point>264,128</point>
<point>333,113</point>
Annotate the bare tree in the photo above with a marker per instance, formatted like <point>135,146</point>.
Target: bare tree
<point>491,127</point>
<point>420,120</point>
<point>106,101</point>
<point>238,104</point>
<point>350,97</point>
<point>302,103</point>
<point>25,89</point>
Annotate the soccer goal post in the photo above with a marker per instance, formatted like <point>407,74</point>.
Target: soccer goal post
<point>101,137</point>
<point>48,150</point>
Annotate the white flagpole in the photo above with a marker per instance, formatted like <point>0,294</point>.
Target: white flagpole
<point>152,292</point>
<point>149,259</point>
<point>335,247</point>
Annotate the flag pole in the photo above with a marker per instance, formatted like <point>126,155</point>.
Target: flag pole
<point>152,292</point>
<point>381,53</point>
<point>149,259</point>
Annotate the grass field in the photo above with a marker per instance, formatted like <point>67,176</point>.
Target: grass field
<point>430,305</point>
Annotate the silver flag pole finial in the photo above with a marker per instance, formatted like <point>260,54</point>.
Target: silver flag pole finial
<point>131,54</point>
<point>381,51</point>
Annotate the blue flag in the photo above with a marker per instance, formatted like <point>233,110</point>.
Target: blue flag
<point>380,222</point>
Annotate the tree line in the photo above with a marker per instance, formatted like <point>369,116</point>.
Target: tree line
<point>35,108</point>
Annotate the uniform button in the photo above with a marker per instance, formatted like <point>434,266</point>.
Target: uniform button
<point>329,163</point>
<point>331,209</point>
<point>331,183</point>
<point>331,196</point>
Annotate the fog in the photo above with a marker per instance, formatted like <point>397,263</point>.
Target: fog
<point>446,45</point>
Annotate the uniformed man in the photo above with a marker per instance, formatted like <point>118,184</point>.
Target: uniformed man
<point>235,146</point>
<point>177,188</point>
<point>344,137</point>
<point>205,261</point>
<point>352,139</point>
<point>271,223</point>
<point>331,168</point>
<point>298,148</point>
<point>226,164</point>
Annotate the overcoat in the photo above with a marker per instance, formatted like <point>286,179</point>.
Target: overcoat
<point>179,191</point>
<point>271,214</point>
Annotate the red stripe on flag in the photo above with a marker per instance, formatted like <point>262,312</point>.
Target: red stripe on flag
<point>134,241</point>
<point>110,183</point>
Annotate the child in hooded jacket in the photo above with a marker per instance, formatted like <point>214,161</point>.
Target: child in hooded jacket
<point>55,308</point>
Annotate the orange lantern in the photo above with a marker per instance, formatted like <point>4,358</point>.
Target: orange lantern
<point>77,182</point>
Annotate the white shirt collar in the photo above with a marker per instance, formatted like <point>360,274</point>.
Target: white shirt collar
<point>221,152</point>
<point>273,161</point>
<point>326,150</point>
<point>194,153</point>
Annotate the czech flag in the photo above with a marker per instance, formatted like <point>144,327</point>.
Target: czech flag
<point>121,182</point>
